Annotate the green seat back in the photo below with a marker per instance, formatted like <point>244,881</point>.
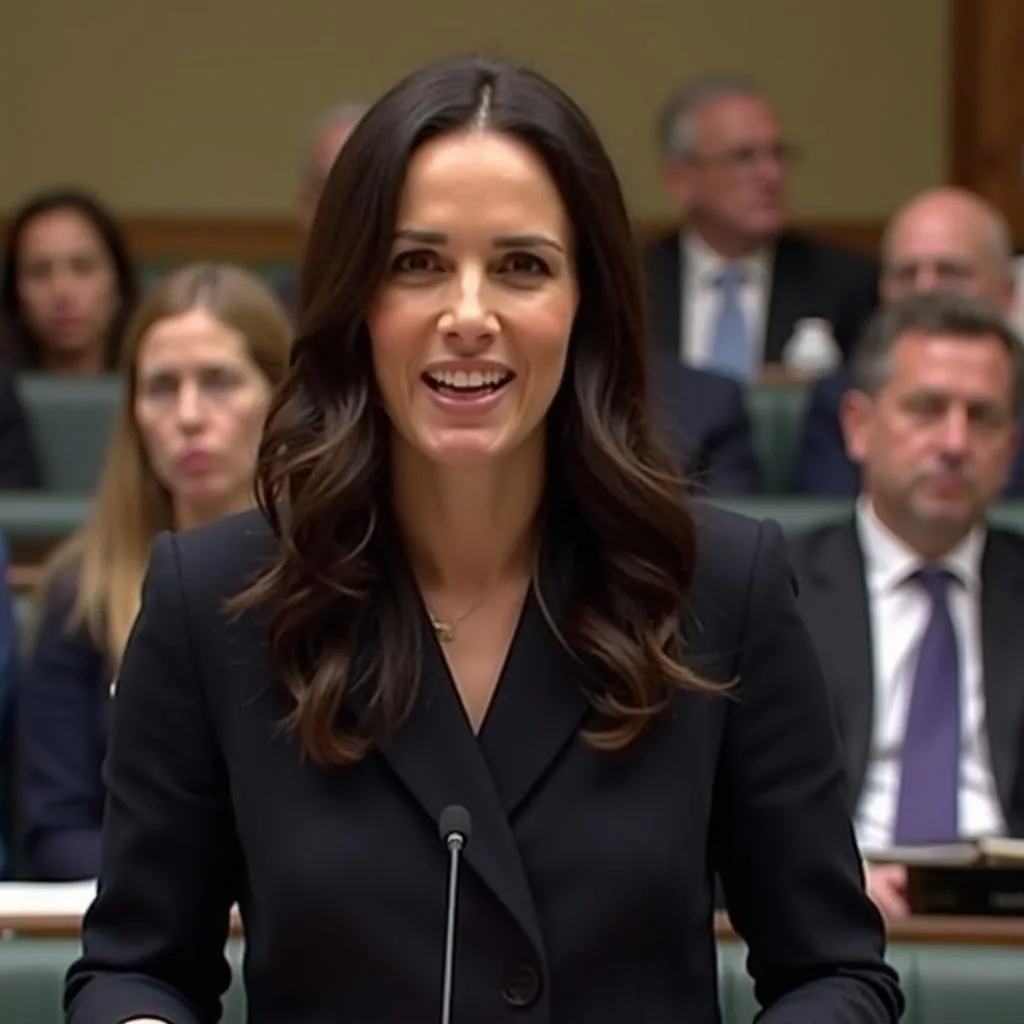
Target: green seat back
<point>954,984</point>
<point>33,522</point>
<point>23,607</point>
<point>29,514</point>
<point>796,514</point>
<point>32,975</point>
<point>1010,515</point>
<point>776,414</point>
<point>71,420</point>
<point>32,979</point>
<point>792,514</point>
<point>943,984</point>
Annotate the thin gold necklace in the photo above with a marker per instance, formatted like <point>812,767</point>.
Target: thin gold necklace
<point>445,628</point>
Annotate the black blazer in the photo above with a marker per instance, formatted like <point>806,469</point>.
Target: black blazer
<point>705,420</point>
<point>809,279</point>
<point>834,601</point>
<point>823,468</point>
<point>587,891</point>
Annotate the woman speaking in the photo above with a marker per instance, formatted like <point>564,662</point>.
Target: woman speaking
<point>474,580</point>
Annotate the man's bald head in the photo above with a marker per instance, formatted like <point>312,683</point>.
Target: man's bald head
<point>952,239</point>
<point>326,138</point>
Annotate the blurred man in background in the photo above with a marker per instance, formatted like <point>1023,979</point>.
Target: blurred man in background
<point>733,288</point>
<point>914,600</point>
<point>945,238</point>
<point>326,138</point>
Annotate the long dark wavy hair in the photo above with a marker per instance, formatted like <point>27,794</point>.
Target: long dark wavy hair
<point>346,624</point>
<point>18,342</point>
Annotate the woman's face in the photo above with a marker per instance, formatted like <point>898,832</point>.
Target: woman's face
<point>470,329</point>
<point>200,405</point>
<point>67,286</point>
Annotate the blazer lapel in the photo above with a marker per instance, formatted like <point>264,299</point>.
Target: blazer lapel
<point>784,300</point>
<point>835,600</point>
<point>1002,641</point>
<point>440,762</point>
<point>538,708</point>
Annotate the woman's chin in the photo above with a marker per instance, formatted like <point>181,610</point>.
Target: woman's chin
<point>464,448</point>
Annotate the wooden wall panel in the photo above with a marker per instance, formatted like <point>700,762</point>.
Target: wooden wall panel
<point>269,239</point>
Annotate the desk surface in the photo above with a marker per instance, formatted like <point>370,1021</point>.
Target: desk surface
<point>962,931</point>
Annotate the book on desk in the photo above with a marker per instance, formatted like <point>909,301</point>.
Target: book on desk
<point>982,877</point>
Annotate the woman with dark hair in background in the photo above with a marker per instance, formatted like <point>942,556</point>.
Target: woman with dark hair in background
<point>474,580</point>
<point>67,286</point>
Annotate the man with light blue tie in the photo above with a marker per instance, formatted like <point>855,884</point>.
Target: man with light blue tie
<point>915,602</point>
<point>731,349</point>
<point>735,289</point>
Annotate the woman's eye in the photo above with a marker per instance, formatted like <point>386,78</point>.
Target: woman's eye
<point>525,263</point>
<point>418,262</point>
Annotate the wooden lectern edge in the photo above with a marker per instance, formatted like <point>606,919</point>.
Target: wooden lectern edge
<point>932,930</point>
<point>940,931</point>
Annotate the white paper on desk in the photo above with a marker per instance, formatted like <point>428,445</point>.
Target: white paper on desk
<point>46,899</point>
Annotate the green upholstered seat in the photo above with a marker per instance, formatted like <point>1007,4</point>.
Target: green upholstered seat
<point>71,419</point>
<point>33,522</point>
<point>795,514</point>
<point>776,413</point>
<point>943,984</point>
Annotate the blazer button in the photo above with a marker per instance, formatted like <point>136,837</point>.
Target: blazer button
<point>521,986</point>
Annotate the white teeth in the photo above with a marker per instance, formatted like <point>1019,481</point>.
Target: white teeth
<point>469,380</point>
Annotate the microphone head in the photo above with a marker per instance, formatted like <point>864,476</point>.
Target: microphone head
<point>455,820</point>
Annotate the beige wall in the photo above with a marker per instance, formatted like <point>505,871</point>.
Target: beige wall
<point>198,106</point>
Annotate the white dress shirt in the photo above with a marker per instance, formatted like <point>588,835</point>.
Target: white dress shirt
<point>899,611</point>
<point>701,298</point>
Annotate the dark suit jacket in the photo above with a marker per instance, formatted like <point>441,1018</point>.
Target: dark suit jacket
<point>586,894</point>
<point>8,682</point>
<point>706,422</point>
<point>287,290</point>
<point>823,468</point>
<point>19,463</point>
<point>63,717</point>
<point>809,279</point>
<point>834,602</point>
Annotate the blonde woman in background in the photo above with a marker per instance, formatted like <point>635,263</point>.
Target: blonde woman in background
<point>201,358</point>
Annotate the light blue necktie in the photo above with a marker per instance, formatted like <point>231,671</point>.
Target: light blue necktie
<point>730,338</point>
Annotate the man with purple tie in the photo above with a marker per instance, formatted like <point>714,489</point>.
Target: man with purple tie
<point>915,602</point>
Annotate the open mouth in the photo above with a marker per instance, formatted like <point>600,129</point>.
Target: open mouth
<point>468,384</point>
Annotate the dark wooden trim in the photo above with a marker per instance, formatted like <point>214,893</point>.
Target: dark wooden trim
<point>157,238</point>
<point>860,236</point>
<point>248,240</point>
<point>23,579</point>
<point>963,54</point>
<point>939,931</point>
<point>935,930</point>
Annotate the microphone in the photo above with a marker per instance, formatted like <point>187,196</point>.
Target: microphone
<point>455,827</point>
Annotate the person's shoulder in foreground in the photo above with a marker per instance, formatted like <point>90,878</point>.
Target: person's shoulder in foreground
<point>782,838</point>
<point>218,559</point>
<point>705,419</point>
